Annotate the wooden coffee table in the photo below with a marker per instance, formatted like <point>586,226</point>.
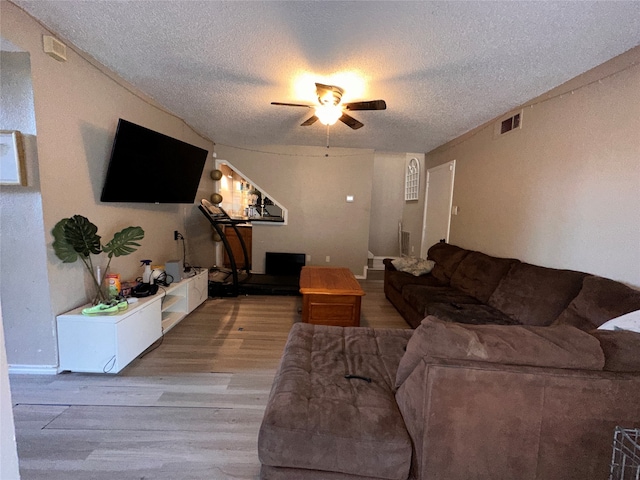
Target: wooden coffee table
<point>330,296</point>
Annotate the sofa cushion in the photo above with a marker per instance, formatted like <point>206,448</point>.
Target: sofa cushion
<point>536,295</point>
<point>599,300</point>
<point>469,314</point>
<point>447,258</point>
<point>478,274</point>
<point>621,349</point>
<point>561,346</point>
<point>421,296</point>
<point>399,279</point>
<point>319,420</point>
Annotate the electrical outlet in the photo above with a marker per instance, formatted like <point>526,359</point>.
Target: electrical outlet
<point>327,259</point>
<point>176,235</point>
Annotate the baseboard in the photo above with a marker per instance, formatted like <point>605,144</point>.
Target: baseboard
<point>33,369</point>
<point>378,262</point>
<point>364,274</point>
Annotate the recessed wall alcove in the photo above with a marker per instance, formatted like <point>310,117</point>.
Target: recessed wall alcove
<point>243,198</point>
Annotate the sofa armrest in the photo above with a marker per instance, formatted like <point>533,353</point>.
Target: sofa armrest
<point>388,265</point>
<point>504,422</point>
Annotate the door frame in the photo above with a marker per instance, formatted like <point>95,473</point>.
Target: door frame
<point>451,166</point>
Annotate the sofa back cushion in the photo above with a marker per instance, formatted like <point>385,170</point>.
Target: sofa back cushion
<point>559,346</point>
<point>535,295</point>
<point>421,296</point>
<point>447,258</point>
<point>599,300</point>
<point>478,274</point>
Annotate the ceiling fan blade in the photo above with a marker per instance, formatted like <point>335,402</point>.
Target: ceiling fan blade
<point>351,122</point>
<point>291,104</point>
<point>368,105</point>
<point>309,121</point>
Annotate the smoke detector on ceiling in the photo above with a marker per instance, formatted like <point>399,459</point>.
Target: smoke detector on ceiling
<point>54,48</point>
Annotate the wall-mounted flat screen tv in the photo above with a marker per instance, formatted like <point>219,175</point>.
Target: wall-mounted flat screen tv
<point>149,167</point>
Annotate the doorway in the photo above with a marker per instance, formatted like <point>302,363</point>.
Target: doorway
<point>437,207</point>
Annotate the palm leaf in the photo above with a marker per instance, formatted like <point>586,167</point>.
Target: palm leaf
<point>82,235</point>
<point>63,250</point>
<point>124,242</point>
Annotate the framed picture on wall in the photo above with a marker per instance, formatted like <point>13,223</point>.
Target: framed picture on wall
<point>12,163</point>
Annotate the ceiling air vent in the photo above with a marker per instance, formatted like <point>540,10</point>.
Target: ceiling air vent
<point>54,48</point>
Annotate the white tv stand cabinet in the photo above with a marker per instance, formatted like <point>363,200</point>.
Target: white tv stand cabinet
<point>108,343</point>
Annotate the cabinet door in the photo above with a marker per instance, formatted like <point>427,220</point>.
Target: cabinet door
<point>198,290</point>
<point>236,248</point>
<point>106,344</point>
<point>136,332</point>
<point>86,346</point>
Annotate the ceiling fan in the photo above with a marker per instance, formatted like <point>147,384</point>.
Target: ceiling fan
<point>329,109</point>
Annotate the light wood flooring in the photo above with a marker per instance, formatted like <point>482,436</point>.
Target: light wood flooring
<point>190,409</point>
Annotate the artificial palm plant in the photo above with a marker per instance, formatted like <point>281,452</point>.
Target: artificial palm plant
<point>77,237</point>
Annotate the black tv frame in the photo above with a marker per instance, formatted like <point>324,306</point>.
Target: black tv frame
<point>149,167</point>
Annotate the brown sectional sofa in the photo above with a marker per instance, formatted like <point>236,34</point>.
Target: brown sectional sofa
<point>471,287</point>
<point>521,393</point>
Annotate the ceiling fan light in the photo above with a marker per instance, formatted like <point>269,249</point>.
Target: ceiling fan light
<point>327,98</point>
<point>328,114</point>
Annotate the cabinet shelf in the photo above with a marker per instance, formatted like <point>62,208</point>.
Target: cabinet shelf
<point>170,300</point>
<point>170,320</point>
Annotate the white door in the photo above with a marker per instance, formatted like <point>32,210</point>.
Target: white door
<point>437,206</point>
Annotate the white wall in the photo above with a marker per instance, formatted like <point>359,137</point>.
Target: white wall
<point>314,189</point>
<point>413,212</point>
<point>564,191</point>
<point>23,254</point>
<point>77,106</point>
<point>387,203</point>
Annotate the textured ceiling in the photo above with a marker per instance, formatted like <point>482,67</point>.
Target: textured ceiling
<point>442,67</point>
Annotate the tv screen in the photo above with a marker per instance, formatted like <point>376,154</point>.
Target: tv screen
<point>149,167</point>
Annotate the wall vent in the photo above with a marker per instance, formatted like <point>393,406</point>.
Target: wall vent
<point>54,48</point>
<point>508,124</point>
<point>405,242</point>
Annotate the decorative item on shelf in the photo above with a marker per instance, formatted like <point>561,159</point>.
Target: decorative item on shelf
<point>77,237</point>
<point>216,174</point>
<point>216,198</point>
<point>126,287</point>
<point>113,285</point>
